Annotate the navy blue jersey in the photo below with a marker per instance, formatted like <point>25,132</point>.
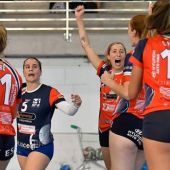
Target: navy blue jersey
<point>34,116</point>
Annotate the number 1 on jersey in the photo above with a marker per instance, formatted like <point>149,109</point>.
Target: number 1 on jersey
<point>164,54</point>
<point>6,80</point>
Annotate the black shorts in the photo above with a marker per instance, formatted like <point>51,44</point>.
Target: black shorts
<point>7,144</point>
<point>129,126</point>
<point>104,138</point>
<point>156,126</point>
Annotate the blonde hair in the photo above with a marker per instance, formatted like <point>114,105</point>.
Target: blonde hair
<point>3,38</point>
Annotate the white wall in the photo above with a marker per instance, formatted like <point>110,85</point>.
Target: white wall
<point>53,43</point>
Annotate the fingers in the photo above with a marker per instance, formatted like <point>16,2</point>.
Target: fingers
<point>106,76</point>
<point>79,11</point>
<point>76,99</point>
<point>79,8</point>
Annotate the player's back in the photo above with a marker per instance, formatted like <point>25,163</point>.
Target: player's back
<point>156,73</point>
<point>10,83</point>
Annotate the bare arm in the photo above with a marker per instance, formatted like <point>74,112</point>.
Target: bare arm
<point>121,90</point>
<point>135,84</point>
<point>92,56</point>
<point>130,89</point>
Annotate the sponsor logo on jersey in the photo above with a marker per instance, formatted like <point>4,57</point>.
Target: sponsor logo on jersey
<point>26,129</point>
<point>36,102</point>
<point>26,116</point>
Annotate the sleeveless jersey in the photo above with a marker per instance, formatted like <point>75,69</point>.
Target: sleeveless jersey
<point>34,116</point>
<point>153,56</point>
<point>10,83</point>
<point>108,99</point>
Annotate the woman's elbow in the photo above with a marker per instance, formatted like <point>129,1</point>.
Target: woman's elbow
<point>132,95</point>
<point>129,95</point>
<point>126,96</point>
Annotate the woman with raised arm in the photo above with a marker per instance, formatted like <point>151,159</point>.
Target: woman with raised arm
<point>133,108</point>
<point>35,145</point>
<point>125,136</point>
<point>114,62</point>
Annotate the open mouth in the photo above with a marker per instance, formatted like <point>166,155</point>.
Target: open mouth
<point>118,62</point>
<point>31,74</point>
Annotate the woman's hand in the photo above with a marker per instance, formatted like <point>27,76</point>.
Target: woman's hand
<point>76,99</point>
<point>107,77</point>
<point>79,11</point>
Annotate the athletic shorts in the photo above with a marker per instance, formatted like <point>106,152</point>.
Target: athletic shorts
<point>156,126</point>
<point>104,138</point>
<point>47,150</point>
<point>129,126</point>
<point>7,144</point>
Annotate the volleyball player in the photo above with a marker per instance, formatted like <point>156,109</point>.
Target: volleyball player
<point>10,83</point>
<point>125,136</point>
<point>35,145</point>
<point>151,67</point>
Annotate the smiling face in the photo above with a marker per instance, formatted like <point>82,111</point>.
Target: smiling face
<point>32,70</point>
<point>116,56</point>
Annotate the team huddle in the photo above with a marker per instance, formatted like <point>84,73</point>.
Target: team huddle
<point>134,108</point>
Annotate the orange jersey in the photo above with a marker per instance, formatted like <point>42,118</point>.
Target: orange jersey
<point>108,99</point>
<point>135,106</point>
<point>153,56</point>
<point>10,83</point>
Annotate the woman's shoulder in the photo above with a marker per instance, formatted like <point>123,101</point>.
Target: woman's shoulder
<point>48,87</point>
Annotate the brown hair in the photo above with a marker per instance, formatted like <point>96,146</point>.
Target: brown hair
<point>138,23</point>
<point>3,38</point>
<point>109,48</point>
<point>34,58</point>
<point>160,17</point>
